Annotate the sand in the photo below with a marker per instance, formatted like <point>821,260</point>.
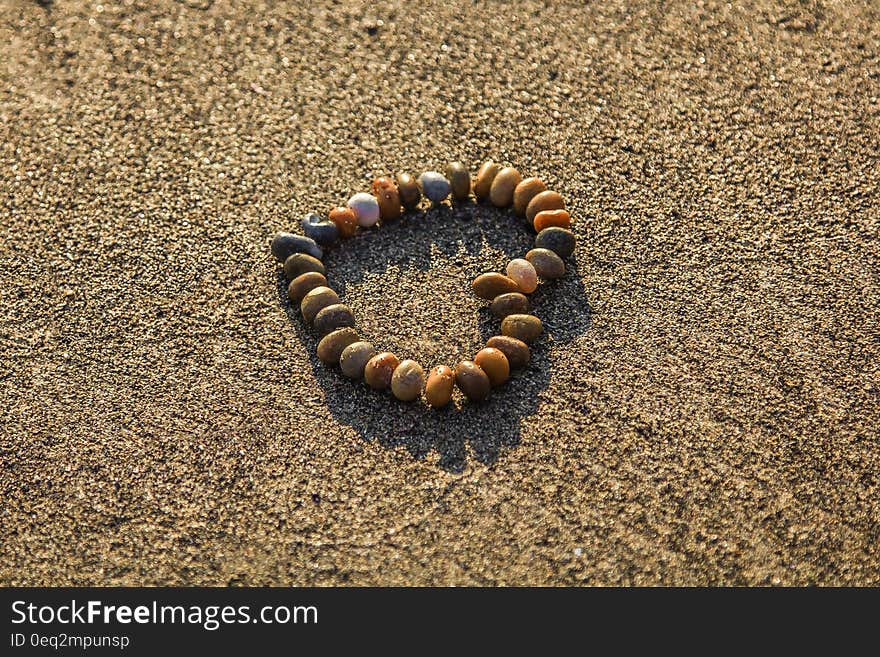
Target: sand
<point>703,410</point>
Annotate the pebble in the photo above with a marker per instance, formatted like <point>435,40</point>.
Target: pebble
<point>345,220</point>
<point>558,240</point>
<point>379,370</point>
<point>335,316</point>
<point>494,363</point>
<point>438,389</point>
<point>501,191</point>
<point>434,186</point>
<point>472,381</point>
<point>522,327</point>
<point>386,193</point>
<point>300,263</point>
<point>408,189</point>
<point>305,283</point>
<point>546,263</point>
<point>365,208</point>
<point>408,380</point>
<point>354,357</point>
<point>488,286</point>
<point>546,200</point>
<point>286,244</point>
<point>315,301</point>
<point>323,231</point>
<point>525,192</point>
<point>517,352</point>
<point>511,303</point>
<point>332,345</point>
<point>547,218</point>
<point>485,176</point>
<point>523,274</point>
<point>460,181</point>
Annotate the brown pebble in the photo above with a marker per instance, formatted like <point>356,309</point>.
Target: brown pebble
<point>408,189</point>
<point>300,263</point>
<point>315,301</point>
<point>472,381</point>
<point>547,264</point>
<point>379,370</point>
<point>511,303</point>
<point>408,380</point>
<point>547,200</point>
<point>334,316</point>
<point>494,363</point>
<point>331,346</point>
<point>517,352</point>
<point>488,286</point>
<point>522,327</point>
<point>501,192</point>
<point>460,181</point>
<point>345,220</point>
<point>485,176</point>
<point>525,192</point>
<point>305,283</point>
<point>386,193</point>
<point>438,389</point>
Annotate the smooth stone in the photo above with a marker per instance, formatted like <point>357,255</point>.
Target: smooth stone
<point>366,209</point>
<point>494,363</point>
<point>511,303</point>
<point>354,357</point>
<point>438,389</point>
<point>346,221</point>
<point>305,283</point>
<point>547,263</point>
<point>332,345</point>
<point>501,191</point>
<point>408,380</point>
<point>472,381</point>
<point>525,192</point>
<point>485,176</point>
<point>323,231</point>
<point>558,240</point>
<point>300,263</point>
<point>546,200</point>
<point>285,245</point>
<point>434,186</point>
<point>315,301</point>
<point>379,370</point>
<point>523,274</point>
<point>547,218</point>
<point>334,316</point>
<point>460,180</point>
<point>386,194</point>
<point>517,352</point>
<point>488,286</point>
<point>522,327</point>
<point>409,191</point>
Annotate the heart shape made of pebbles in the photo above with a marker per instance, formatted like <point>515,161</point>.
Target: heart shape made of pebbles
<point>341,344</point>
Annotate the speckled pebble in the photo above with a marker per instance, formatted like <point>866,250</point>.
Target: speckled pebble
<point>434,186</point>
<point>323,231</point>
<point>483,181</point>
<point>494,363</point>
<point>286,244</point>
<point>438,389</point>
<point>472,381</point>
<point>315,301</point>
<point>547,200</point>
<point>345,220</point>
<point>558,240</point>
<point>409,191</point>
<point>459,180</point>
<point>366,209</point>
<point>408,380</point>
<point>332,345</point>
<point>517,352</point>
<point>300,263</point>
<point>379,370</point>
<point>547,263</point>
<point>303,284</point>
<point>525,192</point>
<point>354,358</point>
<point>332,317</point>
<point>511,303</point>
<point>490,285</point>
<point>522,327</point>
<point>501,191</point>
<point>388,198</point>
<point>523,274</point>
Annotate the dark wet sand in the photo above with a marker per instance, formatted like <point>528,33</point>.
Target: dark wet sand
<point>703,410</point>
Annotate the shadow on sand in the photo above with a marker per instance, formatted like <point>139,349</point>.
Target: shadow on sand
<point>460,235</point>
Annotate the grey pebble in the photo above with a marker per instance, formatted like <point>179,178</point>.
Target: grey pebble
<point>286,244</point>
<point>559,240</point>
<point>434,186</point>
<point>323,231</point>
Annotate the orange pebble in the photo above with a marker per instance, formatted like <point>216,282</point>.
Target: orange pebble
<point>547,218</point>
<point>345,220</point>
